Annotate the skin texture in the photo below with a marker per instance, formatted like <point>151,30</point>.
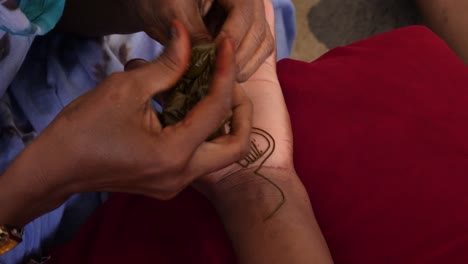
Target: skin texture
<point>448,19</point>
<point>261,201</point>
<point>110,139</point>
<point>206,20</point>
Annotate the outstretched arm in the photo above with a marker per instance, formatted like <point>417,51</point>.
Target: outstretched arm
<point>262,202</point>
<point>448,19</point>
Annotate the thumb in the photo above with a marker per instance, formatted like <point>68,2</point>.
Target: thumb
<point>165,71</point>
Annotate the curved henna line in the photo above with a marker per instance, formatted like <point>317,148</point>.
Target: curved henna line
<point>253,158</point>
<point>272,144</point>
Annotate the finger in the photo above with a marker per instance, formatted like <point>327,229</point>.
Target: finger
<point>255,44</point>
<point>193,20</point>
<point>250,44</point>
<point>239,20</point>
<point>210,112</point>
<point>263,51</point>
<point>241,122</point>
<point>189,13</point>
<point>134,64</point>
<point>137,63</point>
<point>270,16</point>
<point>271,60</point>
<point>224,151</point>
<point>254,37</point>
<point>164,72</point>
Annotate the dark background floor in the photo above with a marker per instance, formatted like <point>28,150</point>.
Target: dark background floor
<point>325,24</point>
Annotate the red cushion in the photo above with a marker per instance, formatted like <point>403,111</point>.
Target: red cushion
<point>381,133</point>
<point>381,144</point>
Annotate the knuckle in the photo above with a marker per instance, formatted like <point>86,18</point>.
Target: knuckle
<point>223,105</point>
<point>259,32</point>
<point>244,75</point>
<point>239,148</point>
<point>171,62</point>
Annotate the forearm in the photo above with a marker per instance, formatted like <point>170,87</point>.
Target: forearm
<point>25,192</point>
<point>93,18</point>
<point>261,231</point>
<point>448,19</point>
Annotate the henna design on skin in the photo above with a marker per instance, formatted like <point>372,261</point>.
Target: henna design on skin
<point>262,147</point>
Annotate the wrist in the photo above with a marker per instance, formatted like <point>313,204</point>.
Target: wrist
<point>27,190</point>
<point>257,235</point>
<point>261,194</point>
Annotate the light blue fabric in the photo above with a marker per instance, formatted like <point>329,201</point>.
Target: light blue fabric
<point>57,70</point>
<point>43,15</point>
<point>285,27</point>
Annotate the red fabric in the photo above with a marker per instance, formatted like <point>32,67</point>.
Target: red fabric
<point>381,144</point>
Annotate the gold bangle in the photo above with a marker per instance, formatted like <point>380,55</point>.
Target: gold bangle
<point>10,237</point>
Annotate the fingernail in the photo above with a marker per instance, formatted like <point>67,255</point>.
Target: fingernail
<point>133,64</point>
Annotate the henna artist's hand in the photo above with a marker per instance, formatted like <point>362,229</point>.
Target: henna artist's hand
<point>247,24</point>
<point>206,20</point>
<point>110,139</point>
<point>116,143</point>
<point>242,20</point>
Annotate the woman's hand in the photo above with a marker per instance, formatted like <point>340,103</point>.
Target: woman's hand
<point>244,21</point>
<point>261,201</point>
<point>110,139</point>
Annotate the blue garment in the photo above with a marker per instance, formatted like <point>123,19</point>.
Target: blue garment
<point>41,17</point>
<point>58,69</point>
<point>285,27</point>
